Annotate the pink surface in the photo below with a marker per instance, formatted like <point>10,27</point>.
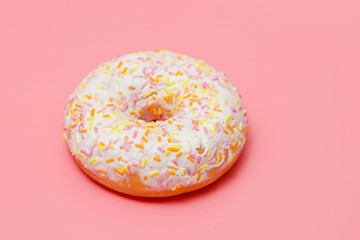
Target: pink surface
<point>295,62</point>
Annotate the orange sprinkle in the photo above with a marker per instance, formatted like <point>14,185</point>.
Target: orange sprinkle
<point>119,65</point>
<point>191,159</point>
<point>178,73</point>
<point>157,159</point>
<point>217,110</point>
<point>119,158</point>
<point>173,149</point>
<point>168,114</point>
<point>151,104</point>
<point>102,144</point>
<point>83,131</point>
<point>132,113</point>
<point>172,172</point>
<point>140,111</point>
<point>105,116</point>
<point>187,96</point>
<point>110,160</point>
<point>144,139</point>
<point>195,100</point>
<point>89,97</point>
<point>119,93</point>
<point>124,71</point>
<point>139,146</point>
<point>178,154</point>
<point>92,112</point>
<point>99,111</point>
<point>147,132</point>
<point>179,125</point>
<point>193,122</point>
<point>110,105</point>
<point>102,170</point>
<point>170,122</point>
<point>110,99</point>
<point>118,171</point>
<point>145,177</point>
<point>226,132</point>
<point>159,139</point>
<point>229,127</point>
<point>198,178</point>
<point>169,140</point>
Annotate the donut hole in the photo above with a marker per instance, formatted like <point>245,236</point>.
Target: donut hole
<point>154,115</point>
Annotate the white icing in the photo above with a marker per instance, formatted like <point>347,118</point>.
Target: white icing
<point>135,79</point>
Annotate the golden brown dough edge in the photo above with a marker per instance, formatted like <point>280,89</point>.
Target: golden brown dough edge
<point>133,185</point>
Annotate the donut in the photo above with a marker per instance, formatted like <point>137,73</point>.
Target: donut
<point>155,124</point>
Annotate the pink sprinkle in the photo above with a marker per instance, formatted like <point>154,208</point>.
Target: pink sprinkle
<point>159,182</point>
<point>142,86</point>
<point>96,129</point>
<point>85,153</point>
<point>135,164</point>
<point>206,131</point>
<point>161,149</point>
<point>174,161</point>
<point>188,171</point>
<point>135,134</point>
<point>158,62</point>
<point>125,106</point>
<point>131,171</point>
<point>166,182</point>
<point>131,142</point>
<point>233,109</point>
<point>198,159</point>
<point>118,139</point>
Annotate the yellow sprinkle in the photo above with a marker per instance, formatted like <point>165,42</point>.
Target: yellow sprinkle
<point>107,72</point>
<point>207,89</point>
<point>168,92</point>
<point>154,173</point>
<point>100,88</point>
<point>90,118</point>
<point>91,126</point>
<point>135,69</point>
<point>102,170</point>
<point>178,154</point>
<point>237,101</point>
<point>117,115</point>
<point>149,93</point>
<point>183,172</point>
<point>143,163</point>
<point>114,128</point>
<point>232,136</point>
<point>175,134</point>
<point>157,159</point>
<point>193,111</point>
<point>64,136</point>
<point>207,71</point>
<point>213,128</point>
<point>122,167</point>
<point>101,147</point>
<point>92,161</point>
<point>210,152</point>
<point>112,147</point>
<point>81,154</point>
<point>202,167</point>
<point>167,153</point>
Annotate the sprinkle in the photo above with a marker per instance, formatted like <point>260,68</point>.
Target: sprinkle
<point>143,163</point>
<point>144,139</point>
<point>154,173</point>
<point>81,154</point>
<point>64,136</point>
<point>102,170</point>
<point>202,167</point>
<point>219,158</point>
<point>150,104</point>
<point>119,65</point>
<point>226,132</point>
<point>172,172</point>
<point>169,140</point>
<point>210,152</point>
<point>173,149</point>
<point>118,171</point>
<point>145,177</point>
<point>110,160</point>
<point>195,100</point>
<point>178,154</point>
<point>198,177</point>
<point>191,159</point>
<point>100,88</point>
<point>147,132</point>
<point>135,134</point>
<point>193,111</point>
<point>167,153</point>
<point>217,110</point>
<point>92,161</point>
<point>119,158</point>
<point>183,172</point>
<point>139,146</point>
<point>106,116</point>
<point>159,138</point>
<point>114,128</point>
<point>124,71</point>
<point>88,97</point>
<point>157,159</point>
<point>101,147</point>
<point>185,83</point>
<point>229,127</point>
<point>168,92</point>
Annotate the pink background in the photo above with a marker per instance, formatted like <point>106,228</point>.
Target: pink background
<point>295,62</point>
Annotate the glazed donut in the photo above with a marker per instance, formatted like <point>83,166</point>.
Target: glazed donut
<point>155,124</point>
